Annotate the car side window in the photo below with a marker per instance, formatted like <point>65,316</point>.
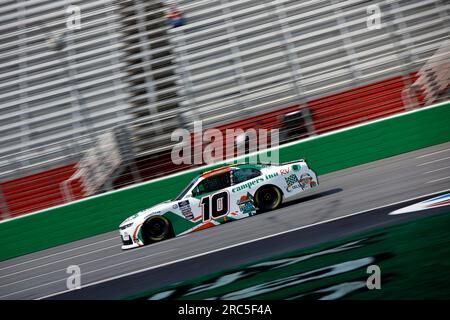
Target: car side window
<point>211,184</point>
<point>245,174</point>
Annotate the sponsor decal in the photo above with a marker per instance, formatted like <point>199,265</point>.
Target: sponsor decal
<point>271,175</point>
<point>284,171</point>
<point>296,167</point>
<point>292,183</point>
<point>246,205</point>
<point>248,185</point>
<point>186,209</point>
<point>306,181</point>
<point>175,206</point>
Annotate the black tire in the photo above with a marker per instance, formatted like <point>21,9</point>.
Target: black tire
<point>268,198</point>
<point>156,229</point>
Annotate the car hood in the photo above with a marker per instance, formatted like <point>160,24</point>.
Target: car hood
<point>158,209</point>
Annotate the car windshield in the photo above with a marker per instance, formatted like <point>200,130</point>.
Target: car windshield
<point>185,190</point>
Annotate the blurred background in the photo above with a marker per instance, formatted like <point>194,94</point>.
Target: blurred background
<point>91,90</point>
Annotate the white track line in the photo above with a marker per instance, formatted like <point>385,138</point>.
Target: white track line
<point>238,244</point>
<point>91,261</point>
<point>437,180</point>
<point>87,262</point>
<point>59,270</point>
<point>57,253</point>
<point>433,153</point>
<point>440,169</point>
<point>85,273</point>
<point>434,161</point>
<point>61,260</point>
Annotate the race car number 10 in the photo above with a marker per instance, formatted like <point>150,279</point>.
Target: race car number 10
<point>215,206</point>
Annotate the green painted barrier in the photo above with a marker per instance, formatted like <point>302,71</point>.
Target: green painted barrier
<point>325,154</point>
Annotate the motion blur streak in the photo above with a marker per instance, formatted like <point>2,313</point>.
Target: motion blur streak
<point>356,189</point>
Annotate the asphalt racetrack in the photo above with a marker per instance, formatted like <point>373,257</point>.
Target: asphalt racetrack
<point>348,201</point>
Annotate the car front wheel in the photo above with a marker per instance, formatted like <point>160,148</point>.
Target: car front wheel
<point>157,228</point>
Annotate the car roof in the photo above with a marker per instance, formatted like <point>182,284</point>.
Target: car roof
<point>228,168</point>
<point>213,172</point>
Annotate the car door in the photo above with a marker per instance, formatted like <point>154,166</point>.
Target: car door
<point>211,197</point>
<point>242,191</point>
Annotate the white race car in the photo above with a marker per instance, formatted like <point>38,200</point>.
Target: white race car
<point>225,194</point>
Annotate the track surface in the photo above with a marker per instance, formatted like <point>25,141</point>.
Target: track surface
<point>357,189</point>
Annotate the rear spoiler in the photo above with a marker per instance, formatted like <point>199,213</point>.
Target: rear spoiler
<point>277,164</point>
<point>299,160</point>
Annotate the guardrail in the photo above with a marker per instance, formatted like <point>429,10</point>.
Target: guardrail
<point>327,153</point>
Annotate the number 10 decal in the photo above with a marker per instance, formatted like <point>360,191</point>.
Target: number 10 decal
<point>215,206</point>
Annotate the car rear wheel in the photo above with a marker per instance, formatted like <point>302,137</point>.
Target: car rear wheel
<point>268,198</point>
<point>157,229</point>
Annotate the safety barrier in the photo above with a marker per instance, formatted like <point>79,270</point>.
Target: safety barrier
<point>37,191</point>
<point>327,153</point>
